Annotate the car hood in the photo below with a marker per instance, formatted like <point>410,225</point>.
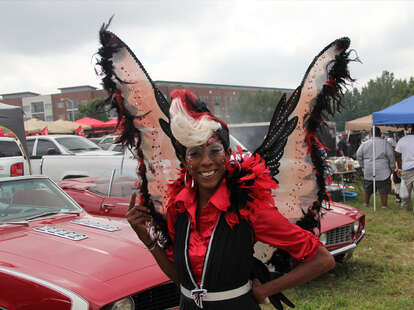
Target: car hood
<point>97,262</point>
<point>339,215</point>
<point>100,249</point>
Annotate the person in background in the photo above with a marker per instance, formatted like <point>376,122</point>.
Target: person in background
<point>343,146</point>
<point>384,164</point>
<point>395,178</point>
<point>405,167</point>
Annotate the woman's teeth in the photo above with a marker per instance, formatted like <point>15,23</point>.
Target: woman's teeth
<point>208,173</point>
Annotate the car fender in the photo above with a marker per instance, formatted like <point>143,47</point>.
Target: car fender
<point>19,290</point>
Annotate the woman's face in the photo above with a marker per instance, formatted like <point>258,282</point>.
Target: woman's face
<point>207,164</point>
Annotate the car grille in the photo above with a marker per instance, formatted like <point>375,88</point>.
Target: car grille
<point>158,298</point>
<point>339,235</point>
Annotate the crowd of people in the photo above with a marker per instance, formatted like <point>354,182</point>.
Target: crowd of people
<point>393,156</point>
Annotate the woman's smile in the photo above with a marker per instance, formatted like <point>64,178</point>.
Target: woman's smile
<point>208,174</point>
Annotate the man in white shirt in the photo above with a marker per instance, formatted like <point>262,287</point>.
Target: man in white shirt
<point>394,177</point>
<point>384,164</point>
<point>405,165</point>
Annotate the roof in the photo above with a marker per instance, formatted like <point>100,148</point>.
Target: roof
<point>76,88</point>
<point>18,95</point>
<point>401,113</point>
<point>207,85</point>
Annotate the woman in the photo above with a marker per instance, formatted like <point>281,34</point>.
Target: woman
<point>217,209</point>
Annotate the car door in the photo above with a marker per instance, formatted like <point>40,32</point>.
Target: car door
<point>117,201</point>
<point>42,147</point>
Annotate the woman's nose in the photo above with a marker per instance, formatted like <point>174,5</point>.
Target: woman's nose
<point>205,159</point>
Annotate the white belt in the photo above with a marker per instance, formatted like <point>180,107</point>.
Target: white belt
<point>202,295</point>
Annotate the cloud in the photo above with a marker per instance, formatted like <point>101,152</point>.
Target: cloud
<point>49,44</point>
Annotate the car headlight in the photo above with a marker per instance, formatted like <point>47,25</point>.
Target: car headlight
<point>123,304</point>
<point>355,227</point>
<point>323,238</point>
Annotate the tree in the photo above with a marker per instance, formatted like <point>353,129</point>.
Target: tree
<point>378,94</point>
<point>91,109</point>
<point>254,108</point>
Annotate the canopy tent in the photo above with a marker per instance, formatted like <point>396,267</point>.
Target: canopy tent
<point>11,118</point>
<point>34,125</point>
<point>64,127</point>
<point>401,113</point>
<point>111,123</point>
<point>89,121</point>
<point>365,123</point>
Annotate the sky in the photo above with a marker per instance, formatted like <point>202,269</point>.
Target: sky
<point>46,45</point>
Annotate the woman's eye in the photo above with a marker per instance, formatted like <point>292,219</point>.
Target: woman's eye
<point>194,153</point>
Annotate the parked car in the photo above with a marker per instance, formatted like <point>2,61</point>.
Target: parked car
<point>65,156</point>
<point>342,226</point>
<point>53,255</point>
<point>63,145</point>
<point>12,161</point>
<point>106,141</point>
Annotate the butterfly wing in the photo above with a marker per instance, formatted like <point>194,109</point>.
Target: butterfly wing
<point>291,150</point>
<point>143,120</point>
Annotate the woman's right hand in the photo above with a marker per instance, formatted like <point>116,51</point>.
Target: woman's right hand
<point>138,217</point>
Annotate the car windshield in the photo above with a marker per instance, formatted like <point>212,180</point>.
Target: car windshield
<point>25,199</point>
<point>77,144</point>
<point>122,185</point>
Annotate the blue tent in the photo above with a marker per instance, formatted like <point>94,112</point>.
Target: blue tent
<point>401,113</point>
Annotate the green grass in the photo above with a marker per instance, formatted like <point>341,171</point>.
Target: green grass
<point>380,275</point>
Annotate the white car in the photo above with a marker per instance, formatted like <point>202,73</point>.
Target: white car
<point>63,145</point>
<point>12,162</point>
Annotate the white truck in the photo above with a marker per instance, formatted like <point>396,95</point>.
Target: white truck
<point>67,156</point>
<point>12,162</point>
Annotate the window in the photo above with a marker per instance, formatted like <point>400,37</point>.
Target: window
<point>9,149</point>
<point>40,116</point>
<point>60,105</point>
<point>30,144</point>
<point>118,148</point>
<point>84,102</point>
<point>71,115</point>
<point>37,107</point>
<point>49,118</point>
<point>77,144</point>
<point>217,110</point>
<point>45,147</point>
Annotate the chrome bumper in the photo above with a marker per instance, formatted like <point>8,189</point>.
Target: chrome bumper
<point>348,247</point>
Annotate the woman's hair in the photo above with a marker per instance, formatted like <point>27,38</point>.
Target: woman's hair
<point>192,123</point>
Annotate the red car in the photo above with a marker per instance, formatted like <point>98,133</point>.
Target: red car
<point>54,255</point>
<point>342,227</point>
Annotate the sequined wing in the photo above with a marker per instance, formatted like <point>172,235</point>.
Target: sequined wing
<point>143,116</point>
<point>291,150</point>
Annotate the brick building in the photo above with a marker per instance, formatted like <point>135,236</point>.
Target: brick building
<point>216,96</point>
<point>64,105</point>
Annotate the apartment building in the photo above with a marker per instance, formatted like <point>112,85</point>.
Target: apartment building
<point>64,105</point>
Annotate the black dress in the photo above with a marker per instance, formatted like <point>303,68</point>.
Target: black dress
<point>229,264</point>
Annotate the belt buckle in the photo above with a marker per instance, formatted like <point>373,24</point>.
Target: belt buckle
<point>198,294</point>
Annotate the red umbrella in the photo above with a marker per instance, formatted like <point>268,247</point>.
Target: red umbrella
<point>91,122</point>
<point>111,123</point>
